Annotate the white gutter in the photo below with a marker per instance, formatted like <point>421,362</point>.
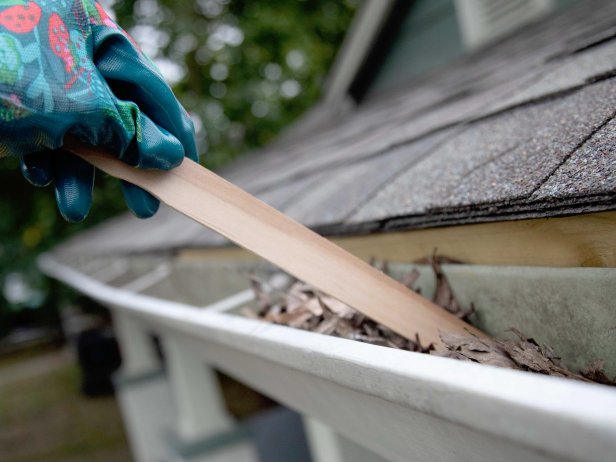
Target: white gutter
<point>391,401</point>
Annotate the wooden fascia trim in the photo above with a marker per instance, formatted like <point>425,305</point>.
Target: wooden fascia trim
<point>587,240</point>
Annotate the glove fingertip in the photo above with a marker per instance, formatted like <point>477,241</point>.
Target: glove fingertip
<point>73,185</point>
<point>73,215</point>
<point>73,206</point>
<point>36,169</point>
<point>140,202</point>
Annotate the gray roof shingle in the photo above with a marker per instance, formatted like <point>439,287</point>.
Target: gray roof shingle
<point>499,160</point>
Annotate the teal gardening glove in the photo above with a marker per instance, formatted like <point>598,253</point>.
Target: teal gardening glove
<point>67,68</point>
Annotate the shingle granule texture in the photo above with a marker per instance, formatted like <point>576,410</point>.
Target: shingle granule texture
<point>589,171</point>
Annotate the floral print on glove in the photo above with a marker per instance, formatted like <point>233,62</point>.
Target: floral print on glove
<point>66,68</point>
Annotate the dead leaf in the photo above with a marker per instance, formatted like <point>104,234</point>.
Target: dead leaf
<point>261,296</point>
<point>443,294</point>
<point>296,319</point>
<point>314,306</point>
<point>410,278</point>
<point>294,304</point>
<point>480,350</point>
<point>327,327</point>
<point>344,328</point>
<point>596,373</point>
<point>337,307</point>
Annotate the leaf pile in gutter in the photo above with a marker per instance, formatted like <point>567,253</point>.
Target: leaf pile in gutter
<point>297,304</point>
<point>522,353</point>
<point>304,307</point>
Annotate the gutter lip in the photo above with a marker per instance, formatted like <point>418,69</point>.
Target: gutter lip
<point>574,420</point>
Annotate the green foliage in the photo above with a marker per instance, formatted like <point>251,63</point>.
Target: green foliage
<point>30,224</point>
<point>246,68</point>
<point>251,67</point>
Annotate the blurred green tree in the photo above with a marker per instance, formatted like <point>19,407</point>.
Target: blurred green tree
<point>244,69</point>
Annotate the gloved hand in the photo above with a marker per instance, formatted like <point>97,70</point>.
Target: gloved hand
<point>67,68</point>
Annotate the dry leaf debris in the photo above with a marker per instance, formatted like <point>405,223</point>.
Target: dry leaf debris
<point>443,295</point>
<point>304,307</point>
<point>595,373</point>
<point>520,353</point>
<point>300,305</point>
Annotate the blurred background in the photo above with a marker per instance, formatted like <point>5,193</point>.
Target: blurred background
<point>244,69</point>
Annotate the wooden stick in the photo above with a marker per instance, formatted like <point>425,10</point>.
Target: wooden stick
<point>214,202</point>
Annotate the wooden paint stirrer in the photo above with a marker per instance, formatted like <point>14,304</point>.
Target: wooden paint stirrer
<point>214,202</point>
